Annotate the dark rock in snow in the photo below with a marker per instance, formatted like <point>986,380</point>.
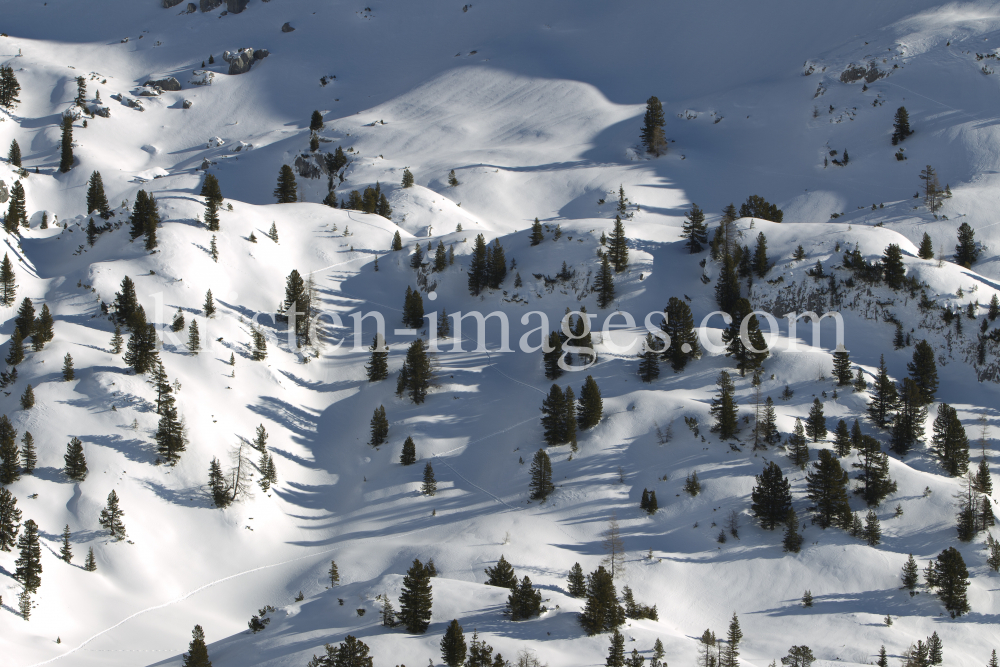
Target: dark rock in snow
<point>242,60</point>
<point>170,83</point>
<point>171,3</point>
<point>236,6</point>
<point>287,27</point>
<point>192,8</point>
<point>854,73</point>
<point>310,166</point>
<point>187,104</point>
<point>209,5</point>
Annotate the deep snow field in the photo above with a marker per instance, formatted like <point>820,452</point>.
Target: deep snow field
<point>537,108</point>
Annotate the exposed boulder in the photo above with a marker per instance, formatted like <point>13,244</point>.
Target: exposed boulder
<point>209,5</point>
<point>287,27</point>
<point>192,8</point>
<point>170,83</point>
<point>171,3</point>
<point>310,166</point>
<point>853,73</point>
<point>187,104</point>
<point>202,77</point>
<point>236,6</point>
<point>242,60</point>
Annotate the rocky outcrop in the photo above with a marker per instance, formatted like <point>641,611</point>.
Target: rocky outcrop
<point>287,27</point>
<point>170,83</point>
<point>209,5</point>
<point>310,166</point>
<point>187,104</point>
<point>242,60</point>
<point>870,74</point>
<point>236,6</point>
<point>171,3</point>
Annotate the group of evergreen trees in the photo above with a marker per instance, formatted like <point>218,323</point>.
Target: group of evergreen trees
<point>903,408</point>
<point>487,266</point>
<point>652,136</point>
<point>562,414</point>
<point>372,200</point>
<point>145,219</point>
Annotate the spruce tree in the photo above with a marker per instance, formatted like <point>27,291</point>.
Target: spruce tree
<point>541,476</point>
<point>604,284</point>
<point>197,655</point>
<point>453,648</point>
<point>842,439</point>
<point>926,250</point>
<point>14,155</point>
<point>76,462</point>
<point>10,520</point>
<point>452,179</point>
<point>28,568</point>
<point>9,87</point>
<point>908,423</point>
<point>111,517</point>
<point>10,466</point>
<point>212,215</point>
<point>900,126</point>
<point>8,286</point>
<point>826,487</point>
<point>884,397</point>
<point>798,448</point>
<point>377,367</point>
<point>923,371</point>
<point>910,575</point>
<point>750,353</point>
<point>15,351</point>
<point>429,485</point>
<point>66,551</point>
<point>418,370</point>
<point>616,651</point>
<point>416,599</point>
<point>591,405</point>
<point>286,191</point>
<point>983,482</point>
<point>934,650</point>
<point>576,583</point>
<point>28,398</point>
<point>678,323</point>
<point>551,357</point>
<point>536,236</point>
<point>724,409</point>
<point>17,215</point>
<point>695,231</point>
<point>842,367</point>
<point>731,651</point>
<point>816,422</point>
<point>524,601</point>
<point>440,257</point>
<point>649,364</point>
<point>44,328</point>
<point>893,270</point>
<point>761,264</point>
<point>952,581</point>
<point>501,574</point>
<point>407,178</point>
<point>966,252</point>
<point>768,428</point>
<point>950,443</point>
<point>872,531</point>
<point>29,458</point>
<point>194,337</point>
<point>602,613</point>
<point>478,266</point>
<point>791,541</point>
<point>875,483</point>
<point>397,242</point>
<point>217,484</point>
<point>379,427</point>
<point>652,127</point>
<point>90,564</point>
<point>618,246</point>
<point>772,497</point>
<point>553,416</point>
<point>66,145</point>
<point>727,287</point>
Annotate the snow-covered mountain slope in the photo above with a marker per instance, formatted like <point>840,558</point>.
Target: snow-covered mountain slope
<point>537,108</point>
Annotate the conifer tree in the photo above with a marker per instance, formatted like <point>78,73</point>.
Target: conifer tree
<point>695,231</point>
<point>604,284</point>
<point>724,408</point>
<point>772,497</point>
<point>96,199</point>
<point>524,601</point>
<point>316,121</point>
<point>90,564</point>
<point>553,416</point>
<point>259,344</point>
<point>76,462</point>
<point>826,487</point>
<point>429,485</point>
<point>747,356</point>
<point>210,189</point>
<point>731,651</point>
<point>478,266</point>
<point>926,250</point>
<point>9,87</point>
<point>618,246</point>
<point>616,651</point>
<point>416,371</point>
<point>541,476</point>
<point>43,330</point>
<point>417,258</point>
<point>602,612</point>
<point>792,541</point>
<point>452,179</point>
<point>217,484</point>
<point>501,574</point>
<point>950,443</point>
<point>908,422</point>
<point>923,371</point>
<point>884,397</point>
<point>842,367</point>
<point>397,241</point>
<point>379,427</point>
<point>900,126</point>
<point>569,417</point>
<point>197,655</point>
<point>28,398</point>
<point>576,583</point>
<point>407,178</point>
<point>66,551</point>
<point>453,648</point>
<point>982,481</point>
<point>816,422</point>
<point>536,236</point>
<point>727,287</point>
<point>286,191</point>
<point>10,466</point>
<point>761,264</point>
<point>212,215</point>
<point>29,458</point>
<point>652,127</point>
<point>591,405</point>
<point>952,581</point>
<point>910,575</point>
<point>377,367</point>
<point>440,257</point>
<point>649,364</point>
<point>194,337</point>
<point>678,323</point>
<point>873,531</point>
<point>8,287</point>
<point>767,428</point>
<point>28,568</point>
<point>893,270</point>
<point>15,351</point>
<point>111,517</point>
<point>842,439</point>
<point>966,252</point>
<point>14,155</point>
<point>934,650</point>
<point>798,449</point>
<point>416,599</point>
<point>66,145</point>
<point>170,436</point>
<point>551,357</point>
<point>17,215</point>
